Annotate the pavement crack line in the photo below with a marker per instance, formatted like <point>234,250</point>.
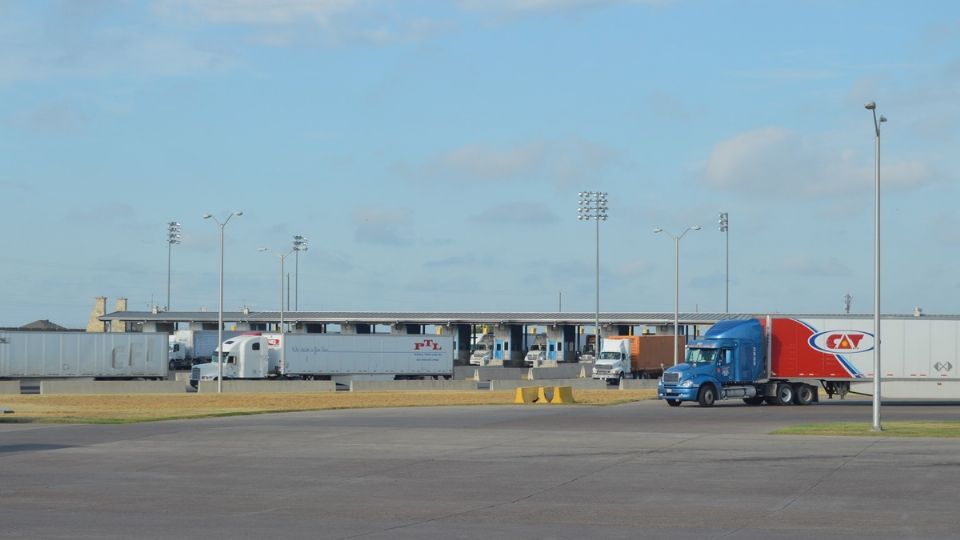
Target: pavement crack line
<point>625,459</point>
<point>802,493</point>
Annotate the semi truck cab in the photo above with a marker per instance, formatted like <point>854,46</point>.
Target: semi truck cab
<point>613,363</point>
<point>244,357</point>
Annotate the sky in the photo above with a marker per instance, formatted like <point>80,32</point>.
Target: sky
<point>432,153</point>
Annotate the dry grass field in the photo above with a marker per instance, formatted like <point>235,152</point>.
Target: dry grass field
<point>152,407</point>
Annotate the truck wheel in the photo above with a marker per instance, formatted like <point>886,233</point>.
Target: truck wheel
<point>673,402</point>
<point>784,394</point>
<point>708,396</point>
<point>803,394</point>
<point>755,400</point>
<point>172,366</point>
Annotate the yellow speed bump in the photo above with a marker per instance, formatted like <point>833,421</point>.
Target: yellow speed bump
<point>542,396</point>
<point>526,395</point>
<point>562,394</point>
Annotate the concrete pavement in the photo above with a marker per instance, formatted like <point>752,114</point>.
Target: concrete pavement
<point>641,470</point>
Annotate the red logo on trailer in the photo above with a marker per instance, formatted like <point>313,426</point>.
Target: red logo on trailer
<point>842,341</point>
<point>427,344</point>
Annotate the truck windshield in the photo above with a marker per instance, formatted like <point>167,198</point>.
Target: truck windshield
<point>609,356</point>
<point>480,348</point>
<point>702,356</point>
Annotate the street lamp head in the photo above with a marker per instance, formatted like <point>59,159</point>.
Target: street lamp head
<point>657,230</point>
<point>870,106</point>
<point>883,118</point>
<point>207,216</point>
<point>695,228</point>
<point>262,249</point>
<point>238,213</point>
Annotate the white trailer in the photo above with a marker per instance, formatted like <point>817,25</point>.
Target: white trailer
<point>127,355</point>
<point>330,356</point>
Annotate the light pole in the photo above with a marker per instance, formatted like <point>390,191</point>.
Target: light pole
<point>173,237</point>
<point>220,309</point>
<point>872,107</point>
<point>593,206</point>
<point>725,229</point>
<point>676,290</point>
<point>283,257</point>
<point>300,243</point>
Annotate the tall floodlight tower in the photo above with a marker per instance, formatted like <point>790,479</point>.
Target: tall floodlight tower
<point>300,243</point>
<point>593,206</point>
<point>173,237</point>
<point>725,229</point>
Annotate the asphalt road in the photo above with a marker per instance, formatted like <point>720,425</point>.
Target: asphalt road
<point>641,470</point>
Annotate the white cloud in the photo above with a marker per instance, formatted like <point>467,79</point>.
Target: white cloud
<point>562,163</point>
<point>525,213</point>
<point>777,161</point>
<point>258,12</point>
<point>326,22</point>
<point>383,227</point>
<point>810,266</point>
<point>519,7</point>
<point>101,52</point>
<point>57,118</point>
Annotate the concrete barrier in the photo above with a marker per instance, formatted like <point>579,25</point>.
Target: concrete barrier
<point>579,384</point>
<point>111,387</point>
<point>526,395</point>
<point>268,387</point>
<point>562,371</point>
<point>638,384</point>
<point>10,387</point>
<point>544,395</point>
<point>488,373</point>
<point>402,386</point>
<point>562,395</point>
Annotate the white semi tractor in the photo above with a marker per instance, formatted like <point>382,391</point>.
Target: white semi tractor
<point>188,347</point>
<point>111,355</point>
<point>334,357</point>
<point>482,353</point>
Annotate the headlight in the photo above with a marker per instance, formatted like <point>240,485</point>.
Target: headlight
<point>687,383</point>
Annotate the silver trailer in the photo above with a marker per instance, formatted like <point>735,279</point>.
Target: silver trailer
<point>366,354</point>
<point>117,355</point>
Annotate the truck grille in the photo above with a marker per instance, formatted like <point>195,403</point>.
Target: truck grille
<point>601,370</point>
<point>671,378</point>
<point>195,374</point>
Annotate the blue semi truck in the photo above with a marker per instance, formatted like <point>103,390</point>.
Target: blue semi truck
<point>761,361</point>
<point>784,361</point>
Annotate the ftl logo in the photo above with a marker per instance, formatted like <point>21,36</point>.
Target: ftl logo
<point>427,345</point>
<point>842,341</point>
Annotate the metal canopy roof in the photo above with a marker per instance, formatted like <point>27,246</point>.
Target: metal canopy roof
<point>468,317</point>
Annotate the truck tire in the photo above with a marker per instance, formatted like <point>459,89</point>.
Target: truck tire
<point>784,394</point>
<point>707,396</point>
<point>755,400</point>
<point>173,365</point>
<point>673,402</point>
<point>803,394</point>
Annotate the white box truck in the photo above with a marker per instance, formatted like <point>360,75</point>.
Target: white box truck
<point>111,355</point>
<point>189,347</point>
<point>335,357</point>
